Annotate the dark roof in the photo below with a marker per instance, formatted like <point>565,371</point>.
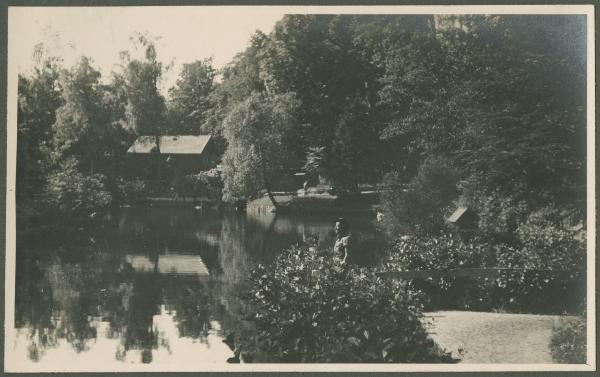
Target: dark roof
<point>177,144</point>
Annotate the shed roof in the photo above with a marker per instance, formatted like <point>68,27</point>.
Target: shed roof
<point>457,214</point>
<point>175,144</point>
<point>170,264</point>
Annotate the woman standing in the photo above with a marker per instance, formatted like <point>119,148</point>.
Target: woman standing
<point>343,241</point>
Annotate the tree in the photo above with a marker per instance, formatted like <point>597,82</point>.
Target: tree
<point>354,152</point>
<point>314,56</point>
<point>421,206</point>
<point>255,131</point>
<point>145,110</point>
<point>38,99</point>
<point>190,97</point>
<point>525,133</point>
<point>502,97</point>
<point>241,78</point>
<point>334,65</point>
<point>81,126</point>
<point>140,78</point>
<point>315,162</point>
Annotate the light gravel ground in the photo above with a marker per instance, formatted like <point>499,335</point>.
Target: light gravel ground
<point>476,337</point>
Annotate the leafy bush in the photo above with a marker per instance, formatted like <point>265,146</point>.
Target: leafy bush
<point>421,206</point>
<point>204,184</point>
<point>131,191</point>
<point>307,308</point>
<point>568,343</point>
<point>548,245</point>
<point>546,273</point>
<point>70,191</point>
<point>499,214</point>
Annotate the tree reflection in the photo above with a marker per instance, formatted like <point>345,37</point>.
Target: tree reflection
<point>33,310</point>
<point>69,288</point>
<point>141,299</point>
<point>188,297</point>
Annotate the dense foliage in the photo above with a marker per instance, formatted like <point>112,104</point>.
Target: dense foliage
<point>71,192</point>
<point>499,99</point>
<point>255,130</point>
<point>130,190</point>
<point>486,112</point>
<point>189,100</point>
<point>306,308</point>
<point>545,272</point>
<point>421,205</point>
<point>206,184</point>
<point>489,99</point>
<point>38,99</point>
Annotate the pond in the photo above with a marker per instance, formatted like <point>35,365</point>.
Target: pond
<point>155,286</point>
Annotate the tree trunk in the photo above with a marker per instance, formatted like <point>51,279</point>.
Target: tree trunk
<point>268,187</point>
<point>272,198</point>
<point>158,162</point>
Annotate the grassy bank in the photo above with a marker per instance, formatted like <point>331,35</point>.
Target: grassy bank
<point>476,337</point>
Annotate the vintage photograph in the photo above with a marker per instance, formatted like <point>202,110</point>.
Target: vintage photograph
<point>245,188</point>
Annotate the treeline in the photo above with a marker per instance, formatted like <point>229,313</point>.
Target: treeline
<point>482,112</point>
<point>487,111</point>
<point>74,126</point>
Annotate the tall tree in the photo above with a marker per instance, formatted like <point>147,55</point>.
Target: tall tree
<point>240,78</point>
<point>81,128</point>
<point>256,157</point>
<point>334,63</point>
<point>500,97</point>
<point>145,111</point>
<point>189,100</point>
<point>38,98</point>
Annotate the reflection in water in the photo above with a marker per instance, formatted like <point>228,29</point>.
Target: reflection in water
<point>148,287</point>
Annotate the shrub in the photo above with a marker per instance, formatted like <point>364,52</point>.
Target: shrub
<point>419,207</point>
<point>204,184</point>
<point>439,253</point>
<point>544,274</point>
<point>548,245</point>
<point>307,308</point>
<point>568,343</point>
<point>499,214</point>
<point>131,191</point>
<point>71,192</point>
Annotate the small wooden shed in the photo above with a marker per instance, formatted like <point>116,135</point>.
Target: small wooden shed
<point>463,218</point>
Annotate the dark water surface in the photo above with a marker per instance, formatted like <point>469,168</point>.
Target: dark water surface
<point>156,286</point>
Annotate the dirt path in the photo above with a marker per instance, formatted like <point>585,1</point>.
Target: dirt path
<point>476,337</point>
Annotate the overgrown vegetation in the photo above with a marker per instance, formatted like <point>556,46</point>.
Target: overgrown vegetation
<point>495,103</point>
<point>206,184</point>
<point>485,112</point>
<point>547,278</point>
<point>307,308</point>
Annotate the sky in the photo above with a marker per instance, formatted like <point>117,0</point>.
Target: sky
<point>185,34</point>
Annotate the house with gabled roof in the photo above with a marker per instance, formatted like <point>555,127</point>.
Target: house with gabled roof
<point>167,157</point>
